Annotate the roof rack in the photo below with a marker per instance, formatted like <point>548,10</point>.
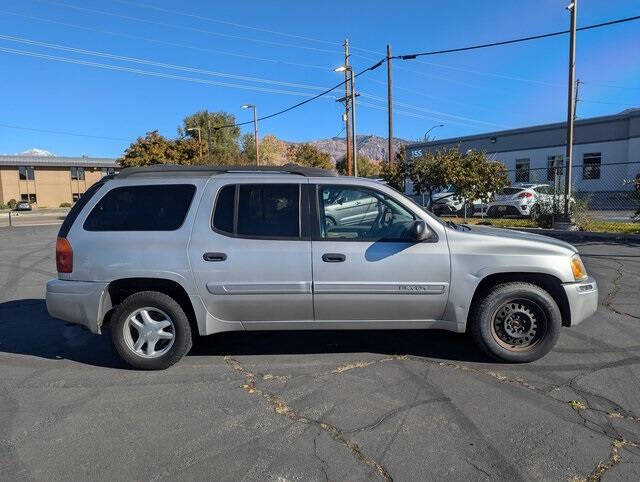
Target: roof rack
<point>179,170</point>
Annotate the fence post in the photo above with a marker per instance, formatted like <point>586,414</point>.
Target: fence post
<point>9,218</point>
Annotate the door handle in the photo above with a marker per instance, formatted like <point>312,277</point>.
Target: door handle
<point>214,256</point>
<point>333,258</point>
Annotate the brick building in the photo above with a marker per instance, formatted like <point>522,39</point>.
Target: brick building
<point>48,181</point>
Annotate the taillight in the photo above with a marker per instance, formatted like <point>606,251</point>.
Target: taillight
<point>64,256</point>
<point>525,194</point>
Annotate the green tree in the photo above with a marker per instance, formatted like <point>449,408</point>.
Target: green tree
<point>395,172</point>
<point>225,148</point>
<point>431,172</point>
<point>366,167</point>
<point>474,176</point>
<point>308,155</point>
<point>148,150</point>
<point>272,150</point>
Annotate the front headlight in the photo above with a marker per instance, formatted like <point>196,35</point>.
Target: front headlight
<point>577,267</point>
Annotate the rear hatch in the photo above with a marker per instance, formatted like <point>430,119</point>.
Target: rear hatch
<point>509,193</point>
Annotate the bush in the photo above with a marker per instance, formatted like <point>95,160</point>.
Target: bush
<point>547,211</point>
<point>3,206</point>
<point>12,203</point>
<point>65,205</point>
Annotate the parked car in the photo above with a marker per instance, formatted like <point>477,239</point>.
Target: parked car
<point>448,202</point>
<point>524,199</point>
<point>23,206</point>
<point>164,253</point>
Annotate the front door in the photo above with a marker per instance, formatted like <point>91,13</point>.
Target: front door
<point>372,270</point>
<point>249,257</point>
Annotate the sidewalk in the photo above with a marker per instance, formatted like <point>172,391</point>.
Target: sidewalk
<point>37,217</point>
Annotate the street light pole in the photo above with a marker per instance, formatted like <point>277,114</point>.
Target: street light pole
<point>573,8</point>
<point>255,129</point>
<point>426,134</point>
<point>390,104</point>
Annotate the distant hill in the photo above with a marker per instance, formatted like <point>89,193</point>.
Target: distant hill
<point>373,147</point>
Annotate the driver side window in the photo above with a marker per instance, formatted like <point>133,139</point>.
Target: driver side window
<point>361,214</point>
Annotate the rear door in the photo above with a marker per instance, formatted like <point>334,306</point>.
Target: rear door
<point>372,270</point>
<point>250,257</point>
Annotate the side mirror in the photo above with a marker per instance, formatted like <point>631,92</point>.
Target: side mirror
<point>419,230</point>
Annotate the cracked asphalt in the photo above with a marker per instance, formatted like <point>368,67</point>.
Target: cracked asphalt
<point>317,405</point>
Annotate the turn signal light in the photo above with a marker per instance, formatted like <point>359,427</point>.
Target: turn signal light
<point>64,256</point>
<point>579,271</point>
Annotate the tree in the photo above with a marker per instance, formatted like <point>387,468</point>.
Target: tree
<point>395,172</point>
<point>272,151</point>
<point>431,172</point>
<point>224,142</point>
<point>474,176</point>
<point>366,167</point>
<point>148,150</point>
<point>308,155</point>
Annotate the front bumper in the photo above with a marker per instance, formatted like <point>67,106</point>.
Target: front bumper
<point>80,302</point>
<point>583,299</point>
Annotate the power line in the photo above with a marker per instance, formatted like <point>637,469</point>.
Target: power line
<point>164,42</point>
<point>66,133</point>
<point>151,73</point>
<point>300,104</point>
<point>183,27</point>
<point>513,41</point>
<point>157,64</point>
<point>225,22</point>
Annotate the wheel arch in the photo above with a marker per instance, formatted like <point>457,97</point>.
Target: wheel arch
<point>119,289</point>
<point>550,283</point>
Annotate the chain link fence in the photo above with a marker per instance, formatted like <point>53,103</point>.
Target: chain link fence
<point>604,197</point>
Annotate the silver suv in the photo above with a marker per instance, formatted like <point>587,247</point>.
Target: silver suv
<point>162,254</point>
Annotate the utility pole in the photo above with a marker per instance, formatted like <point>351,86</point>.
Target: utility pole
<point>353,121</point>
<point>390,102</point>
<point>576,99</point>
<point>347,97</point>
<point>573,9</point>
<point>209,136</point>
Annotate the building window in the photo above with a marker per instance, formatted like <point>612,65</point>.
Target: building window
<point>554,167</point>
<point>29,197</point>
<point>522,170</point>
<point>77,173</point>
<point>107,171</point>
<point>591,165</point>
<point>26,173</point>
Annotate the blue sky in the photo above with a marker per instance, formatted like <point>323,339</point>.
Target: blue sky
<point>300,43</point>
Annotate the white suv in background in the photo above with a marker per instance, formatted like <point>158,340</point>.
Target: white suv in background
<point>523,199</point>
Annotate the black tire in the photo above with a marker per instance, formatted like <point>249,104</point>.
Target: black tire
<point>181,330</point>
<point>535,212</point>
<point>515,322</point>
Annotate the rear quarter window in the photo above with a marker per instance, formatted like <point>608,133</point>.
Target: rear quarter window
<point>142,208</point>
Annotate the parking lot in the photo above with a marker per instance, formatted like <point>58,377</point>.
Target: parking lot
<point>317,405</point>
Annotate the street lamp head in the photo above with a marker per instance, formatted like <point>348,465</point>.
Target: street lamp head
<point>247,106</point>
<point>570,6</point>
<point>342,68</point>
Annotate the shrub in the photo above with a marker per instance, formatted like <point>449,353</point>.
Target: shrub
<point>3,206</point>
<point>65,205</point>
<point>12,203</point>
<point>551,209</point>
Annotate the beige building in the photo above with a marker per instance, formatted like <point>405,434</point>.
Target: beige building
<point>50,181</point>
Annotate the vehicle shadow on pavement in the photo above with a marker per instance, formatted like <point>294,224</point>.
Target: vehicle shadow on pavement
<point>425,343</point>
<point>27,329</point>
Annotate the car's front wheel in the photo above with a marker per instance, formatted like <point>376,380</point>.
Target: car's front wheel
<point>516,322</point>
<point>150,331</point>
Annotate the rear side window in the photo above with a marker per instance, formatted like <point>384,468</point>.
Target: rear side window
<point>142,208</point>
<point>77,207</point>
<point>262,210</point>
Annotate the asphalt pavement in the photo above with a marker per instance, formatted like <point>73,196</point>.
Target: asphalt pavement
<point>317,405</point>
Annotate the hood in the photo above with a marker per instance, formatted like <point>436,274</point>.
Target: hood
<point>522,239</point>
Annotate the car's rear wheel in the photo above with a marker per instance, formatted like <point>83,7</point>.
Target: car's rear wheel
<point>150,331</point>
<point>516,322</point>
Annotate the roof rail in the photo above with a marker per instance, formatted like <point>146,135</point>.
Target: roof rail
<point>210,170</point>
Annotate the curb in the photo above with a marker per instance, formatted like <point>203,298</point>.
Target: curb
<point>582,235</point>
